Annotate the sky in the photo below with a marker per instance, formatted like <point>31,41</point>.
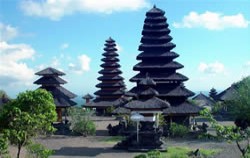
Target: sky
<point>212,38</point>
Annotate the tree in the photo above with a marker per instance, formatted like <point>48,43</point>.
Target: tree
<point>213,93</point>
<point>230,133</point>
<point>80,121</point>
<point>239,106</point>
<point>22,119</point>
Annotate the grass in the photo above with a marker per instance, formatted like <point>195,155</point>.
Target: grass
<point>184,152</point>
<point>113,139</point>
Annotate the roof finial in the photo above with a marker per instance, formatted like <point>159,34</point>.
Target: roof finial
<point>147,75</point>
<point>154,6</point>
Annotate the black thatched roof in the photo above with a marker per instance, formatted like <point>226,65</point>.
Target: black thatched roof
<point>158,65</point>
<point>101,103</point>
<point>203,100</point>
<point>164,47</point>
<point>227,94</point>
<point>110,65</point>
<point>114,92</point>
<point>110,78</point>
<point>88,96</point>
<point>61,96</point>
<point>114,84</point>
<point>108,71</point>
<point>184,108</point>
<point>161,77</point>
<point>152,103</point>
<point>147,81</point>
<point>110,59</point>
<point>50,80</point>
<point>121,110</point>
<point>58,90</point>
<point>50,71</point>
<point>61,101</point>
<point>165,91</point>
<point>148,92</point>
<point>154,54</point>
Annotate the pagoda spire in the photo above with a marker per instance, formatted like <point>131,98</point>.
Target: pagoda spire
<point>111,86</point>
<point>157,58</point>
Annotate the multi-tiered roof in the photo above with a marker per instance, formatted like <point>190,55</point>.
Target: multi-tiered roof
<point>147,98</point>
<point>51,81</point>
<point>157,59</point>
<point>111,86</point>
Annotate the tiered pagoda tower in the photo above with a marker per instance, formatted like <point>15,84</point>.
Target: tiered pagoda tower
<point>157,59</point>
<point>51,81</point>
<point>111,86</point>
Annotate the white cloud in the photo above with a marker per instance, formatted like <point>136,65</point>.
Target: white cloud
<point>82,65</point>
<point>211,68</point>
<point>64,46</point>
<point>56,9</point>
<point>55,62</point>
<point>13,70</point>
<point>212,21</point>
<point>7,32</point>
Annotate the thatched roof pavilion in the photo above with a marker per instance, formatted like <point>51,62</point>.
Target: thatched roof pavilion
<point>51,81</point>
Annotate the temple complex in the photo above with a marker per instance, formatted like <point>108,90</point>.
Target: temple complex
<point>157,60</point>
<point>51,81</point>
<point>111,86</point>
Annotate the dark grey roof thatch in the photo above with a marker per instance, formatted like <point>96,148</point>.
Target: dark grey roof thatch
<point>62,101</point>
<point>58,90</point>
<point>227,94</point>
<point>161,77</point>
<point>158,65</point>
<point>184,108</point>
<point>165,91</point>
<point>149,92</point>
<point>97,103</point>
<point>121,110</point>
<point>50,71</point>
<point>147,81</point>
<point>50,80</point>
<point>152,103</point>
<point>203,100</point>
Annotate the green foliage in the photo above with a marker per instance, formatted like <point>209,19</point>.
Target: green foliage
<point>154,154</point>
<point>230,133</point>
<point>162,120</point>
<point>109,110</point>
<point>178,130</point>
<point>239,107</point>
<point>32,113</point>
<point>80,121</point>
<point>218,106</point>
<point>178,152</point>
<point>38,151</point>
<point>141,156</point>
<point>4,146</point>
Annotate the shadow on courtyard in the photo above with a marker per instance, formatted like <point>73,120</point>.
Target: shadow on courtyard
<point>84,151</point>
